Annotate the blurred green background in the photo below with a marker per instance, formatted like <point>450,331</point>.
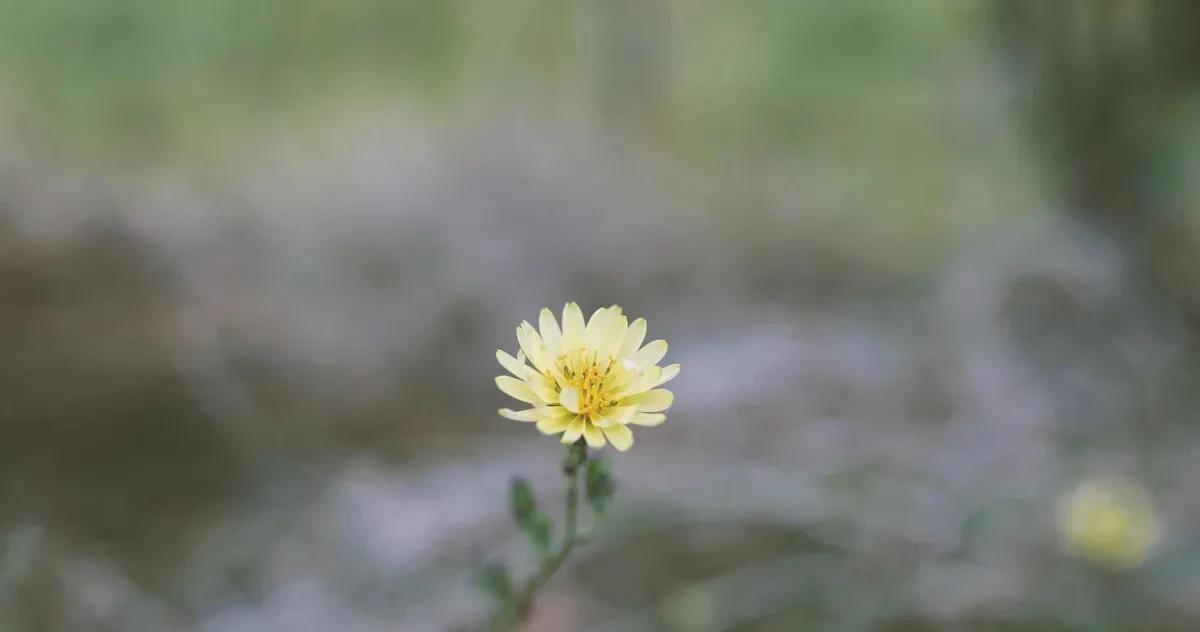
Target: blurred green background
<point>929,266</point>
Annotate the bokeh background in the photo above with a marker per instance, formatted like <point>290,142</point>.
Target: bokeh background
<point>928,266</point>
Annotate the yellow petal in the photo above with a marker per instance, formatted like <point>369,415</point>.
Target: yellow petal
<point>594,436</point>
<point>620,436</point>
<point>574,430</point>
<point>531,344</point>
<point>649,354</point>
<point>618,414</point>
<point>597,328</point>
<point>594,320</point>
<point>551,334</point>
<point>569,398</point>
<point>632,339</point>
<point>648,419</point>
<point>610,338</point>
<point>647,380</point>
<point>553,412</point>
<point>512,365</point>
<point>652,401</point>
<point>619,374</point>
<point>516,389</point>
<point>543,387</point>
<point>668,373</point>
<point>553,425</point>
<point>572,334</point>
<point>520,415</point>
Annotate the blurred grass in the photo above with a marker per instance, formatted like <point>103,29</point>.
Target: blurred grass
<point>854,107</point>
<point>144,79</point>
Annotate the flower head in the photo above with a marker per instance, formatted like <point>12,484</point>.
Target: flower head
<point>590,380</point>
<point>1109,521</point>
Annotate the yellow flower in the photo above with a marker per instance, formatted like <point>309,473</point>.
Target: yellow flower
<point>588,380</point>
<point>1109,521</point>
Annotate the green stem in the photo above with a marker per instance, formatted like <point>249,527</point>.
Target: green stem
<point>573,463</point>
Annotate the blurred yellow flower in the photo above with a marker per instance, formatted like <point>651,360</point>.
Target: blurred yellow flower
<point>1109,521</point>
<point>589,380</point>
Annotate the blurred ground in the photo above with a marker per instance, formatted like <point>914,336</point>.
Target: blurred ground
<point>927,266</point>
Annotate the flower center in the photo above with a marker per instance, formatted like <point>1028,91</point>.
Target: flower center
<point>586,371</point>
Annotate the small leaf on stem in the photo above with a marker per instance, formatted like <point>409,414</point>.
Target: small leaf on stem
<point>524,504</point>
<point>599,485</point>
<point>494,580</point>
<point>540,531</point>
<point>576,455</point>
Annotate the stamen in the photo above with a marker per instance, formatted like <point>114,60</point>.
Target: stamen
<point>581,368</point>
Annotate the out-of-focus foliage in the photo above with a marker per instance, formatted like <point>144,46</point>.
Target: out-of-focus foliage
<point>772,96</point>
<point>146,78</point>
